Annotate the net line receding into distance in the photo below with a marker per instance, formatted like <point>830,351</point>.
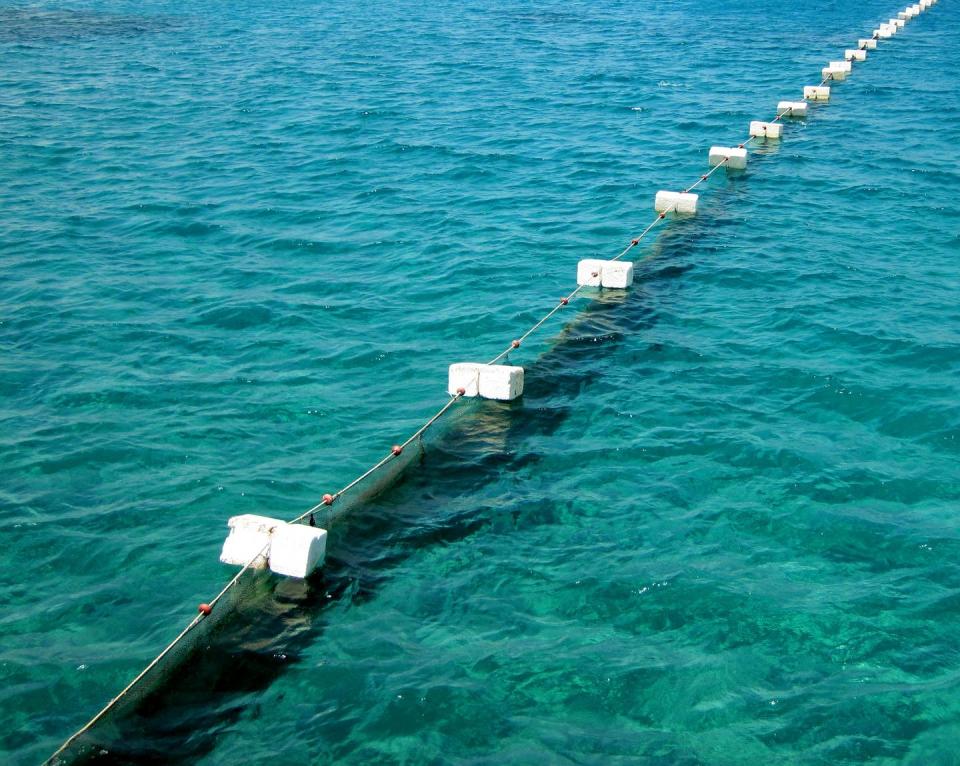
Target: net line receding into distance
<point>885,31</point>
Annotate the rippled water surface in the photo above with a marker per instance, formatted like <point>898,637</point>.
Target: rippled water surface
<point>240,243</point>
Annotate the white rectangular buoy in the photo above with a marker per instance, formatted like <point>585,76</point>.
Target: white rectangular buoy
<point>792,108</point>
<point>292,550</point>
<point>816,92</point>
<point>832,73</point>
<point>867,45</point>
<point>898,23</point>
<point>592,272</point>
<point>843,66</point>
<point>855,55</point>
<point>680,203</point>
<point>759,129</point>
<point>296,550</point>
<point>905,14</point>
<point>883,32</point>
<point>465,375</point>
<point>249,536</point>
<point>736,158</point>
<point>488,381</point>
<point>500,381</point>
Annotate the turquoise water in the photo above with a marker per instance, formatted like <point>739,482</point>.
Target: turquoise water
<point>240,243</point>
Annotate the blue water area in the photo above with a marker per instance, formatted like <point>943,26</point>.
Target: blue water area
<point>240,242</point>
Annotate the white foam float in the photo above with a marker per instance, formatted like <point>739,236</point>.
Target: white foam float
<point>681,203</point>
<point>731,157</point>
<point>592,272</point>
<point>488,381</point>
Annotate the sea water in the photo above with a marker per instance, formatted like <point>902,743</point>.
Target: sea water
<point>241,242</point>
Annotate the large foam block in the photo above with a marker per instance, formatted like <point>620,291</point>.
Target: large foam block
<point>249,537</point>
<point>500,381</point>
<point>596,273</point>
<point>816,92</point>
<point>759,129</point>
<point>832,73</point>
<point>465,375</point>
<point>792,108</point>
<point>855,55</point>
<point>867,45</point>
<point>489,381</point>
<point>682,203</point>
<point>296,550</point>
<point>898,23</point>
<point>731,157</point>
<point>292,550</point>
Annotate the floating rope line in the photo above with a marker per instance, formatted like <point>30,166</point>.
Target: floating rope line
<point>205,609</point>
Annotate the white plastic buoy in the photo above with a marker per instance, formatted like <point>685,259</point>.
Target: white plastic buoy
<point>736,158</point>
<point>681,203</point>
<point>759,129</point>
<point>837,70</point>
<point>292,550</point>
<point>855,55</point>
<point>867,45</point>
<point>792,108</point>
<point>488,381</point>
<point>898,23</point>
<point>596,273</point>
<point>816,92</point>
<point>249,536</point>
<point>297,550</point>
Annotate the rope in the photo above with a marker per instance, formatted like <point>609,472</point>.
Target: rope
<point>156,660</point>
<point>396,451</point>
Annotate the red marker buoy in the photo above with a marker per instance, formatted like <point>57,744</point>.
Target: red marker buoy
<point>461,391</point>
<point>515,344</point>
<point>204,609</point>
<point>328,499</point>
<point>564,301</point>
<point>397,450</point>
